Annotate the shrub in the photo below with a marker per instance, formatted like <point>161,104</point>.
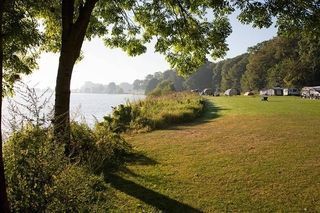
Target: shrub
<point>41,178</point>
<point>121,118</point>
<point>31,161</point>
<point>76,189</point>
<point>111,148</point>
<point>125,117</point>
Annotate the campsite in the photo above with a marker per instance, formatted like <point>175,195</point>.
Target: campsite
<point>160,106</point>
<point>244,155</point>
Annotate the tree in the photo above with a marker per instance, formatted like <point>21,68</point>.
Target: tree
<point>126,87</point>
<point>216,76</point>
<point>158,75</point>
<point>202,78</point>
<point>19,39</point>
<point>173,77</point>
<point>138,85</point>
<point>163,88</point>
<point>181,29</point>
<point>278,62</point>
<point>261,59</point>
<point>152,84</point>
<point>291,15</point>
<point>293,18</point>
<point>232,71</point>
<point>112,88</point>
<point>238,70</point>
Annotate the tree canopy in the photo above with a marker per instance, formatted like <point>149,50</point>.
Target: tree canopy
<point>21,41</point>
<point>291,16</point>
<point>181,30</point>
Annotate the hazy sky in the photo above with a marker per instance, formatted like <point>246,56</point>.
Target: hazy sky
<point>103,65</point>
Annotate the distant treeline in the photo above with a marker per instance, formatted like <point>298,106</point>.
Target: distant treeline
<point>281,61</point>
<point>111,88</point>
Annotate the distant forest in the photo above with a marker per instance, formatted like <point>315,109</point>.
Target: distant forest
<point>111,88</point>
<point>281,61</point>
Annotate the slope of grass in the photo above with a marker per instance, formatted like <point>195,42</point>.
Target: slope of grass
<point>155,112</point>
<point>243,155</point>
<point>172,108</point>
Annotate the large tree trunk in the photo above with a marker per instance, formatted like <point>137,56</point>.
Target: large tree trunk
<point>4,204</point>
<point>73,34</point>
<point>62,96</point>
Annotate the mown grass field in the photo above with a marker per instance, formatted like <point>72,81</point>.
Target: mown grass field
<point>243,155</point>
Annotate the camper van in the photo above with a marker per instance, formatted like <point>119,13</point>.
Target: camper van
<point>278,91</point>
<point>291,91</point>
<point>310,92</point>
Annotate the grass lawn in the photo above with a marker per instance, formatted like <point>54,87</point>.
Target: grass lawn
<point>242,155</point>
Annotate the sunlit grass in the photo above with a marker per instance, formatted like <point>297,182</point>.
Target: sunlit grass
<point>172,108</point>
<point>244,155</point>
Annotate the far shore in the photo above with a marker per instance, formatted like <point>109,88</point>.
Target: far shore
<point>75,92</point>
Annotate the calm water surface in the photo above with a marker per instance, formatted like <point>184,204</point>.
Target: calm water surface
<point>89,107</point>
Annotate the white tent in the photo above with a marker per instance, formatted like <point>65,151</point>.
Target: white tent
<point>248,93</point>
<point>231,92</point>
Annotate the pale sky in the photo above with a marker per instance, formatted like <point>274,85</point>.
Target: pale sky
<point>103,65</point>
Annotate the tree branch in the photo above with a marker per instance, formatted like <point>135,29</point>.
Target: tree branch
<point>81,24</point>
<point>83,19</point>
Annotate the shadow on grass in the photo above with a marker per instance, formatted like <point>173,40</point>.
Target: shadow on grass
<point>135,158</point>
<point>139,159</point>
<point>146,195</point>
<point>149,196</point>
<point>210,113</point>
<point>153,198</point>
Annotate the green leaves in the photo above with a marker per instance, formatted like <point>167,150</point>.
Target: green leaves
<point>21,41</point>
<point>185,31</point>
<point>279,62</point>
<point>290,15</point>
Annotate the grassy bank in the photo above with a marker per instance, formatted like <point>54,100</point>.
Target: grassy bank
<point>243,155</point>
<point>171,109</point>
<point>155,112</point>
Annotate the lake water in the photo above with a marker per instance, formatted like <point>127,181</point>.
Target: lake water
<point>92,106</point>
<point>89,107</point>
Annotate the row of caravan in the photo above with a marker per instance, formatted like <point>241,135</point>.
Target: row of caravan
<point>311,92</point>
<point>278,91</point>
<point>306,92</point>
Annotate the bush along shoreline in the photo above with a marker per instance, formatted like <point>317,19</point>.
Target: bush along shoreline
<point>41,177</point>
<point>155,112</point>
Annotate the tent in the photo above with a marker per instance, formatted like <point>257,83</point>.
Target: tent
<point>207,91</point>
<point>231,92</point>
<point>248,93</point>
<point>278,91</point>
